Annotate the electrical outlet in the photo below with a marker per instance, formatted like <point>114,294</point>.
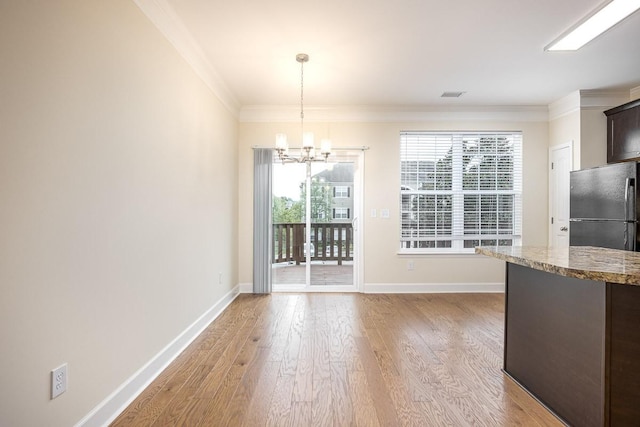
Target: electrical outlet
<point>220,278</point>
<point>410,265</point>
<point>58,381</point>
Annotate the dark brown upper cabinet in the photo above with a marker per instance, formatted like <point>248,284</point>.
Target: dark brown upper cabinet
<point>623,132</point>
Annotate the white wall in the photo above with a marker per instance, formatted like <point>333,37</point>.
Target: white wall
<point>382,264</point>
<point>564,129</point>
<point>118,186</point>
<point>593,137</point>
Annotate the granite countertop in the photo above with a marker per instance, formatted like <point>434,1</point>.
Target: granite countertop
<point>582,262</point>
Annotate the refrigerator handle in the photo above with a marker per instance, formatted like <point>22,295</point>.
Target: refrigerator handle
<point>627,188</point>
<point>630,214</point>
<point>633,215</point>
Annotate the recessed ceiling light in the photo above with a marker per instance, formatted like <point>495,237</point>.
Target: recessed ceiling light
<point>452,94</point>
<point>594,24</point>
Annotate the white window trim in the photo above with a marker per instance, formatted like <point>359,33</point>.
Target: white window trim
<point>458,198</point>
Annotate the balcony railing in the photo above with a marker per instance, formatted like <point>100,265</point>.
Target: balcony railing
<point>329,242</point>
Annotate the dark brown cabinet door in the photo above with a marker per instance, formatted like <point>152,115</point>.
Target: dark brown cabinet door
<point>623,132</point>
<point>624,357</point>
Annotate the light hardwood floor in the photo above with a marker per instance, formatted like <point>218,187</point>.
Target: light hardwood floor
<point>343,359</point>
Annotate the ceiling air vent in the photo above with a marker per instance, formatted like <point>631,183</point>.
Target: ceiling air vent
<point>451,94</point>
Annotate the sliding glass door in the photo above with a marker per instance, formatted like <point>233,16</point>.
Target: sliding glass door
<point>314,214</point>
<point>288,266</point>
<point>331,231</point>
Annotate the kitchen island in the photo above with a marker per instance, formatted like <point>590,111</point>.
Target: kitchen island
<point>572,330</point>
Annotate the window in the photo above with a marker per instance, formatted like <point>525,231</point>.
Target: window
<point>341,213</point>
<point>341,192</point>
<point>460,190</point>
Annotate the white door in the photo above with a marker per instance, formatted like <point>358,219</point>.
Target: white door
<point>561,160</point>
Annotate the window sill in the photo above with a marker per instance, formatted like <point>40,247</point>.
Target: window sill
<point>422,253</point>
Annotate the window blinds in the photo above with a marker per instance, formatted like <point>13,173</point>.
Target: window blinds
<point>460,189</point>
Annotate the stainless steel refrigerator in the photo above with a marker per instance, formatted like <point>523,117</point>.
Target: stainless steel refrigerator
<point>603,207</point>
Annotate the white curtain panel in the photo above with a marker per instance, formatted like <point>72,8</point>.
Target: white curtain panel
<point>262,166</point>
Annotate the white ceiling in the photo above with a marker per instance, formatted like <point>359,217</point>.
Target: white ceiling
<point>406,52</point>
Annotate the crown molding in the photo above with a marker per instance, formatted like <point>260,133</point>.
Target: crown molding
<point>565,106</point>
<point>603,99</point>
<point>164,18</point>
<point>587,100</point>
<point>364,114</point>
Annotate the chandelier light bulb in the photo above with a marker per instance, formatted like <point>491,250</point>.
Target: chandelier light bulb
<point>307,140</point>
<point>325,146</point>
<point>281,141</point>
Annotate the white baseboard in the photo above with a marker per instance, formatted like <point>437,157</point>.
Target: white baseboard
<point>406,288</point>
<point>114,404</point>
<point>432,288</point>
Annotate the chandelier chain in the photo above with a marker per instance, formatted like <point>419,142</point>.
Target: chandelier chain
<point>301,91</point>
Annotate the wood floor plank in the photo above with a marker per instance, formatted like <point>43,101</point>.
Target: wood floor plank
<point>216,376</point>
<point>321,352</point>
<point>279,413</point>
<point>342,407</point>
<point>291,352</point>
<point>399,381</point>
<point>236,410</point>
<point>222,405</point>
<point>322,405</point>
<point>363,407</point>
<point>343,359</point>
<point>258,408</point>
<point>303,383</point>
<point>342,346</point>
<point>301,414</point>
<point>274,311</point>
<point>183,398</point>
<point>385,410</point>
<point>282,327</point>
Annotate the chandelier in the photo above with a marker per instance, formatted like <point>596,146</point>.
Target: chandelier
<point>308,152</point>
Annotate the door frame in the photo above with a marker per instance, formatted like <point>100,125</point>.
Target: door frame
<point>358,223</point>
<point>357,157</point>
